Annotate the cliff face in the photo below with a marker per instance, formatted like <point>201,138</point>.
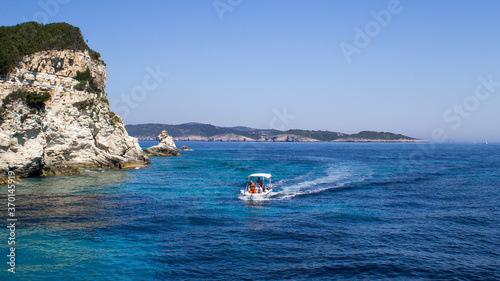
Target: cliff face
<point>72,127</point>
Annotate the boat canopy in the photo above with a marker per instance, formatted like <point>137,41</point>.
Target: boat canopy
<point>262,175</point>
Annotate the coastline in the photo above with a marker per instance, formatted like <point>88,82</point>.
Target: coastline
<point>215,139</point>
<point>208,132</point>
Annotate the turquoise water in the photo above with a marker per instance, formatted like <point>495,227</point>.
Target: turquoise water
<point>339,211</point>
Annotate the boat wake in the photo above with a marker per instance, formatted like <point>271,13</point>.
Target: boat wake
<point>333,177</point>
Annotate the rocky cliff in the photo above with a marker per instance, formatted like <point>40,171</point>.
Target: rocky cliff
<point>55,118</point>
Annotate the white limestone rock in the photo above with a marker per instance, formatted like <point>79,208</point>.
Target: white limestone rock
<point>71,130</point>
<point>166,147</point>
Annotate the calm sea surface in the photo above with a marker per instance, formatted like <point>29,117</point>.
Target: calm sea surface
<point>339,211</point>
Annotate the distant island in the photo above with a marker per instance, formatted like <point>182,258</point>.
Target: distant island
<point>207,132</point>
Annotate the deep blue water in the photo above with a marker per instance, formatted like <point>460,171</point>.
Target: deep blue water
<point>340,211</point>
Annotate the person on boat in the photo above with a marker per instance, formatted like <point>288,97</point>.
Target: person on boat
<point>259,181</point>
<point>251,187</point>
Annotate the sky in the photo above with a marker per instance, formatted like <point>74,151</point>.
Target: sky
<point>426,69</point>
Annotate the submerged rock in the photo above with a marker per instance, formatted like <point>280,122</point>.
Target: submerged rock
<point>166,147</point>
<point>53,124</point>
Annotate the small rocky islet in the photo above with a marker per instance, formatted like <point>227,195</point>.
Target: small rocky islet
<point>165,147</point>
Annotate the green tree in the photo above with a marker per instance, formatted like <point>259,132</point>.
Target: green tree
<point>31,37</point>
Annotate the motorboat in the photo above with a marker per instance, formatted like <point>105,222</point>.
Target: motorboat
<point>258,185</point>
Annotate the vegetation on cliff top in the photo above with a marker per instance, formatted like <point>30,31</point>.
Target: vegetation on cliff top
<point>31,37</point>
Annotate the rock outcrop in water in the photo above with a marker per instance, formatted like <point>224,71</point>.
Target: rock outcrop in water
<point>55,118</point>
<point>166,147</point>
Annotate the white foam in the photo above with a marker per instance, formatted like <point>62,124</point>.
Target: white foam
<point>335,177</point>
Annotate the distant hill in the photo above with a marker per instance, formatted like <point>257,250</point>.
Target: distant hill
<point>206,132</point>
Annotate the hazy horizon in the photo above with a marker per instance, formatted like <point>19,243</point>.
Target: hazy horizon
<point>429,70</point>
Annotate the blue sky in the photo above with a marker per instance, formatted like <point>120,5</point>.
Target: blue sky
<point>427,69</point>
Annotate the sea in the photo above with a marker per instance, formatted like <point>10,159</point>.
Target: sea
<point>338,211</point>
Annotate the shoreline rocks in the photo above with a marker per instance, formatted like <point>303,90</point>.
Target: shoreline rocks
<point>283,138</point>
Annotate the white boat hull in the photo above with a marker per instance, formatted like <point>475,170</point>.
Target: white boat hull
<point>249,195</point>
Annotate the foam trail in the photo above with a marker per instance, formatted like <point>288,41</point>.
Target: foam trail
<point>335,177</point>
